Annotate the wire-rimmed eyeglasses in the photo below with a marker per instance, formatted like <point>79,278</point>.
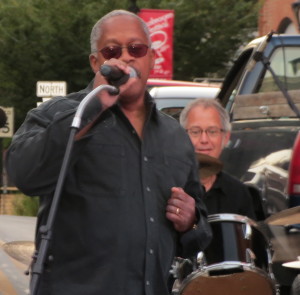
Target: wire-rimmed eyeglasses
<point>211,132</point>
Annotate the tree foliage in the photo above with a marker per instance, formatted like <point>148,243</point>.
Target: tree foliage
<point>49,40</point>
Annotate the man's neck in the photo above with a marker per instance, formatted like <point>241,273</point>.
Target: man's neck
<point>208,182</point>
<point>136,114</point>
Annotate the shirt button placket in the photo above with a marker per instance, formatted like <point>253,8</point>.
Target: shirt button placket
<point>150,251</point>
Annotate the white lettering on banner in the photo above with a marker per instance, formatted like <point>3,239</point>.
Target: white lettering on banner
<point>165,17</point>
<point>159,27</point>
<point>161,38</point>
<point>50,89</point>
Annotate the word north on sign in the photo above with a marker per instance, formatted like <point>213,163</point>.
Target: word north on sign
<point>51,88</point>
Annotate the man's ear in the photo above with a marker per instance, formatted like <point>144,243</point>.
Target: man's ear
<point>226,139</point>
<point>94,63</point>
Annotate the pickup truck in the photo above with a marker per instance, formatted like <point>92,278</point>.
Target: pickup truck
<point>261,91</point>
<point>262,95</point>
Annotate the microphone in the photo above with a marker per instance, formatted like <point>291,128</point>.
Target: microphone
<point>115,76</point>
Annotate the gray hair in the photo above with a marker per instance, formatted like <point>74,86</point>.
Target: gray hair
<point>96,32</point>
<point>206,103</point>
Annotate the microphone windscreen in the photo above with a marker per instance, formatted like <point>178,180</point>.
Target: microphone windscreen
<point>114,75</point>
<point>111,72</point>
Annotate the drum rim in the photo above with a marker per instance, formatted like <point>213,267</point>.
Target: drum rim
<point>231,217</point>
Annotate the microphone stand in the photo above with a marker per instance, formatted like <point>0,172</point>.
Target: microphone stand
<point>46,230</point>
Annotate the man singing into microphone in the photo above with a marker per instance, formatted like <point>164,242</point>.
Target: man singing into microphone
<point>131,197</point>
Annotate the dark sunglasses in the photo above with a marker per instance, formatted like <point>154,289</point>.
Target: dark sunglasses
<point>135,50</point>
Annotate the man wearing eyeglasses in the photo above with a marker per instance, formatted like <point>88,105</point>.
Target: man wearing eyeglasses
<point>208,126</point>
<point>131,197</point>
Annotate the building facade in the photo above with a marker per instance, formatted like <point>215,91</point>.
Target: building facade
<point>277,16</point>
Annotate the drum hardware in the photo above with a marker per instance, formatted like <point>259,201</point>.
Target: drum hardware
<point>201,261</point>
<point>248,231</point>
<point>181,268</point>
<point>236,262</point>
<point>250,257</point>
<point>175,266</point>
<point>231,218</point>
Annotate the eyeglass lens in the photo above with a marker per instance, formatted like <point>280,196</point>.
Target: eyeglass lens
<point>135,50</point>
<point>211,132</point>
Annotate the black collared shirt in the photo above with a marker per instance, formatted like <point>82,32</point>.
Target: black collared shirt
<point>111,235</point>
<point>229,195</point>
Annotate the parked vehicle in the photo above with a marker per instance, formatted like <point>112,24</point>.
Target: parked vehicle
<point>264,116</point>
<point>172,99</point>
<point>262,94</point>
<point>294,175</point>
<point>165,82</point>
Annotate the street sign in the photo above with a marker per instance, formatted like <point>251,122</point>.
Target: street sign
<point>51,88</point>
<point>8,129</point>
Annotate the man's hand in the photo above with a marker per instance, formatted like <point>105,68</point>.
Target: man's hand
<point>106,99</point>
<point>181,210</point>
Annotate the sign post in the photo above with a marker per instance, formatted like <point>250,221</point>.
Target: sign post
<point>5,132</point>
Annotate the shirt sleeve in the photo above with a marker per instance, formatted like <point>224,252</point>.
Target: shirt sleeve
<point>35,156</point>
<point>198,237</point>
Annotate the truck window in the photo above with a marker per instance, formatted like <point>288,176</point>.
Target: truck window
<point>285,62</point>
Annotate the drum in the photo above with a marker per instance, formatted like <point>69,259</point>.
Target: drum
<point>237,261</point>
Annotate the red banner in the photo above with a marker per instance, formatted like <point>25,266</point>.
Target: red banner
<point>160,23</point>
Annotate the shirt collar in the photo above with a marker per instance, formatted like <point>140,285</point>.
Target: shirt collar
<point>218,182</point>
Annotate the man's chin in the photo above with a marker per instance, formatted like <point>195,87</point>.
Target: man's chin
<point>205,153</point>
<point>131,95</point>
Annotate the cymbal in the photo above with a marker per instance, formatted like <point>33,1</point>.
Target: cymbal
<point>285,217</point>
<point>20,250</point>
<point>208,165</point>
<point>292,264</point>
